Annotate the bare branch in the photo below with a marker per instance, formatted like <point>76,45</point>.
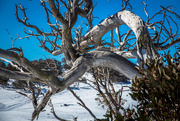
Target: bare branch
<point>42,104</point>
<point>137,25</point>
<point>82,103</point>
<point>99,57</point>
<point>89,18</point>
<point>24,21</point>
<point>12,64</point>
<point>20,61</point>
<point>56,13</point>
<point>171,12</point>
<point>161,27</point>
<point>118,34</point>
<point>41,76</point>
<point>112,41</point>
<point>125,3</point>
<point>48,20</point>
<point>16,75</point>
<point>57,52</point>
<point>145,10</point>
<point>64,3</point>
<point>123,44</point>
<point>87,8</point>
<point>53,111</point>
<point>127,54</point>
<point>164,38</point>
<point>168,45</point>
<point>156,14</point>
<point>13,40</point>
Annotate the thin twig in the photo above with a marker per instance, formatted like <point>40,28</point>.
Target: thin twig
<point>53,111</point>
<point>82,103</point>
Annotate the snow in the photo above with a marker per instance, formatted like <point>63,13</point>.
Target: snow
<point>16,107</point>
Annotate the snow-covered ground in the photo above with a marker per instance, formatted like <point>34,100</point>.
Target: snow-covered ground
<point>15,107</point>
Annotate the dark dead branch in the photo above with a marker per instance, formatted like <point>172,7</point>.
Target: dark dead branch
<point>53,111</point>
<point>82,103</point>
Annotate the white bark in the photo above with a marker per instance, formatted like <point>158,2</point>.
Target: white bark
<point>127,54</point>
<point>134,22</point>
<point>122,17</point>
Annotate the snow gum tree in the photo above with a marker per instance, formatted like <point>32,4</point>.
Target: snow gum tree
<point>83,52</point>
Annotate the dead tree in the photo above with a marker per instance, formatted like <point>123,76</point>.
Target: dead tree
<point>79,51</point>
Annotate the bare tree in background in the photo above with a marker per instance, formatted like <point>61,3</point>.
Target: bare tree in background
<point>83,52</point>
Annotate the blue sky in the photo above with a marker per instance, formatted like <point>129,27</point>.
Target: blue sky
<point>36,15</point>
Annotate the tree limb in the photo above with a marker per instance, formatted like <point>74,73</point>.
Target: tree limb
<point>137,25</point>
<point>84,63</point>
<point>46,78</point>
<point>118,34</point>
<point>42,104</point>
<point>15,75</point>
<point>58,16</point>
<point>99,58</point>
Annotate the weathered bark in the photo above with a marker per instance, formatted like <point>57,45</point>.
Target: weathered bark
<point>79,62</point>
<point>127,54</point>
<point>20,60</point>
<point>15,75</point>
<point>58,16</point>
<point>68,50</point>
<point>35,73</point>
<point>99,57</point>
<point>68,22</point>
<point>137,25</point>
<point>42,104</point>
<point>93,37</point>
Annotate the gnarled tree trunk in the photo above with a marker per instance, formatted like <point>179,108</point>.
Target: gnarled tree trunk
<point>82,62</point>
